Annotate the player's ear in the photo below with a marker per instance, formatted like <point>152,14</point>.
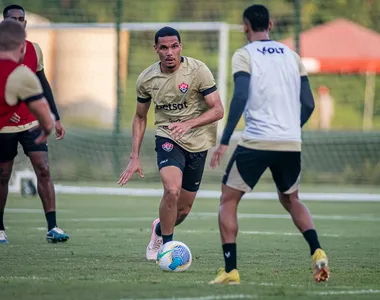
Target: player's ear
<point>245,25</point>
<point>155,48</point>
<point>270,26</point>
<point>23,48</point>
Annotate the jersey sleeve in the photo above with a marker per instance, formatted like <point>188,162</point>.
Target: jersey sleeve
<point>241,62</point>
<point>141,90</point>
<point>40,57</point>
<point>205,80</point>
<point>300,64</point>
<point>22,85</point>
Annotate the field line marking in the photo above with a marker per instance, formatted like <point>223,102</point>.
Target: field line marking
<point>348,292</point>
<point>210,297</point>
<point>287,216</point>
<point>198,216</point>
<point>85,190</point>
<point>138,230</point>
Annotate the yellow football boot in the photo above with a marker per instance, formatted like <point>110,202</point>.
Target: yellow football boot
<point>320,266</point>
<point>223,277</point>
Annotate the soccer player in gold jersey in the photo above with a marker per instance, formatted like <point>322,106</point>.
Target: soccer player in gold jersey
<point>187,107</point>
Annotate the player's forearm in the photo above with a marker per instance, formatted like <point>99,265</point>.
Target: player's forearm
<point>307,100</point>
<point>40,109</point>
<point>48,93</point>
<point>237,105</point>
<point>139,126</point>
<point>212,115</point>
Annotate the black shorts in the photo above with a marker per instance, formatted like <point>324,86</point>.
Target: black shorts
<point>191,164</point>
<point>9,143</point>
<point>247,165</point>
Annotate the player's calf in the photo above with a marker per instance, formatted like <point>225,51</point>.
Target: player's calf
<point>302,219</point>
<point>181,216</point>
<point>185,203</point>
<point>5,175</point>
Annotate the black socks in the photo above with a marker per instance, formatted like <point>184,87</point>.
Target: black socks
<point>229,253</point>
<point>167,238</point>
<point>312,239</point>
<point>51,220</point>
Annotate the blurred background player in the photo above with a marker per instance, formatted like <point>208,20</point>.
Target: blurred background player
<point>18,130</point>
<point>187,107</point>
<point>18,83</point>
<point>270,81</point>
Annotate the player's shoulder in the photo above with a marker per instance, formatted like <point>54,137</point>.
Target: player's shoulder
<point>22,74</point>
<point>35,45</point>
<point>193,64</point>
<point>148,73</point>
<point>241,53</point>
<point>23,71</point>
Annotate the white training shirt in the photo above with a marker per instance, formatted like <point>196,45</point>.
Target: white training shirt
<point>273,110</point>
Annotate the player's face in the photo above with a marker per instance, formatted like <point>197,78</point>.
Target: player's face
<point>18,15</point>
<point>169,50</point>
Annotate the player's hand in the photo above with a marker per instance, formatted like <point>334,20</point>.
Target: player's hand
<point>179,129</point>
<point>132,168</point>
<point>217,156</point>
<point>59,130</point>
<point>42,138</point>
<point>15,118</point>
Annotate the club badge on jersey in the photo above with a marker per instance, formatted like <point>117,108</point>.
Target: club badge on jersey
<point>183,87</point>
<point>167,147</point>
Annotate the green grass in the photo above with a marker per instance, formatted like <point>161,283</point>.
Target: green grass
<point>104,258</point>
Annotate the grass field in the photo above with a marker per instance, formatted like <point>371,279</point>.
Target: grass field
<point>104,258</point>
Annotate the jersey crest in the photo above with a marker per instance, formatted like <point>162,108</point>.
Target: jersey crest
<point>167,147</point>
<point>183,87</point>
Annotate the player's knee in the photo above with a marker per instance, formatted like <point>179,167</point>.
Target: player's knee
<point>225,198</point>
<point>43,171</point>
<point>171,194</point>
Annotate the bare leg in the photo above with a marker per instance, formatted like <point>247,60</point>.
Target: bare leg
<point>45,186</point>
<point>228,224</point>
<point>301,217</point>
<point>185,203</point>
<point>172,180</point>
<point>299,212</point>
<point>5,175</point>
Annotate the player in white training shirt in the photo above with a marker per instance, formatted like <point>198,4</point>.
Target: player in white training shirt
<point>273,91</point>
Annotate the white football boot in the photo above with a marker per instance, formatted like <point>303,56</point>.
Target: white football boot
<point>154,244</point>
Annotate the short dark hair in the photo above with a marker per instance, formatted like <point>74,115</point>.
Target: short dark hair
<point>258,16</point>
<point>10,7</point>
<point>166,31</point>
<point>12,35</point>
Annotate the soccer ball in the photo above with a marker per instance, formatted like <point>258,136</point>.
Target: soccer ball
<point>174,256</point>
